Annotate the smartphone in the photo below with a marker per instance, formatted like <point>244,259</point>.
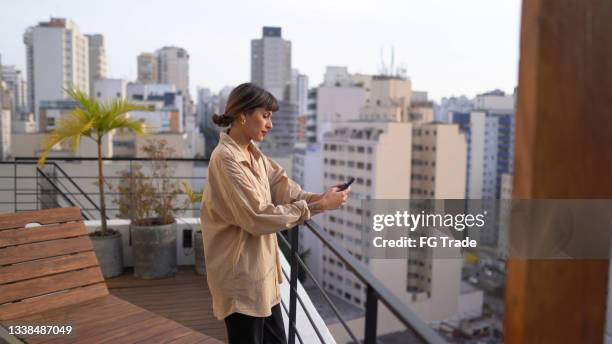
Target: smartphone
<point>346,185</point>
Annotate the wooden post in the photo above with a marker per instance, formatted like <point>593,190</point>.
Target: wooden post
<point>563,150</point>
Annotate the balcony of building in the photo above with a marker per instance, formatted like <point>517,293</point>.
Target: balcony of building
<point>185,298</point>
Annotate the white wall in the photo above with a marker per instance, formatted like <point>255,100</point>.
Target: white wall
<point>338,104</point>
<point>109,89</point>
<point>48,66</point>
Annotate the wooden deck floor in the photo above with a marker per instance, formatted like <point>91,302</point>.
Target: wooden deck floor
<point>184,298</point>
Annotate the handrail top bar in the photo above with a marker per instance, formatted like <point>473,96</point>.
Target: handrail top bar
<point>25,158</point>
<point>393,303</point>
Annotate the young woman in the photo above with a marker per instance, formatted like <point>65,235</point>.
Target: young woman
<point>247,199</point>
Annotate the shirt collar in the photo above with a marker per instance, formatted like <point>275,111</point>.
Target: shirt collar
<point>229,142</point>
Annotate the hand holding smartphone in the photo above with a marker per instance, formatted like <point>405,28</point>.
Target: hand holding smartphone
<point>345,186</point>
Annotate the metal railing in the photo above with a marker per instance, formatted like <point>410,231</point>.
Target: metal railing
<point>51,186</point>
<point>63,189</point>
<point>375,292</point>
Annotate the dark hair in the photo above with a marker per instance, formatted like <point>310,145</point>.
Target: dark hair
<point>245,98</point>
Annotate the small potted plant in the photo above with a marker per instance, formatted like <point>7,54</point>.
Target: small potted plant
<point>148,196</point>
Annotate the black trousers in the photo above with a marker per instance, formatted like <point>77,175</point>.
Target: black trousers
<point>245,329</point>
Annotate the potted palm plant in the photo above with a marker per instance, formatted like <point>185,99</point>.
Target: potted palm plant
<point>148,196</point>
<point>93,120</point>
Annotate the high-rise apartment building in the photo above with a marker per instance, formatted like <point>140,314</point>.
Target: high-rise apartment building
<point>57,58</point>
<point>299,91</point>
<point>147,68</point>
<point>281,139</point>
<point>6,106</point>
<point>489,130</point>
<point>386,138</point>
<point>97,59</point>
<point>271,63</point>
<point>389,100</point>
<point>173,68</point>
<point>16,83</point>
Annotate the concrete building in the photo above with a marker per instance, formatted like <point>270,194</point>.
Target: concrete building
<point>439,153</point>
<point>337,104</point>
<point>147,68</point>
<point>310,120</point>
<point>25,125</point>
<point>281,139</point>
<point>489,130</point>
<point>173,69</point>
<point>299,91</point>
<point>271,63</point>
<point>18,86</point>
<point>97,59</point>
<point>337,76</point>
<point>185,145</point>
<point>57,57</point>
<point>389,100</point>
<point>307,170</point>
<point>105,90</point>
<point>6,106</point>
<point>449,105</point>
<point>51,111</point>
<point>27,144</point>
<point>166,105</point>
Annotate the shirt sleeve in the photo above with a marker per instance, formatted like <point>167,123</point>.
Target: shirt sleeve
<point>248,209</point>
<point>283,189</point>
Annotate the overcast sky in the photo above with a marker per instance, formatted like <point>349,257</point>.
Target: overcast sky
<point>448,47</point>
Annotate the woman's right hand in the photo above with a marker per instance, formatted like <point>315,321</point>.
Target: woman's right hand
<point>334,199</point>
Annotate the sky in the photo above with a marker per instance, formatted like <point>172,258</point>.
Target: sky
<point>447,47</point>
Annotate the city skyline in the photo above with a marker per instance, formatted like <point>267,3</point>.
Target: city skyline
<point>468,48</point>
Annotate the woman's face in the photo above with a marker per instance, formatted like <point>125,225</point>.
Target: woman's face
<point>258,124</point>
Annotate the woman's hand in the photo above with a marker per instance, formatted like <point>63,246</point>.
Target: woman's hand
<point>333,199</point>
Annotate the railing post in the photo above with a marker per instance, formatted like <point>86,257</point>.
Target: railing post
<point>371,316</point>
<point>15,186</point>
<point>293,283</point>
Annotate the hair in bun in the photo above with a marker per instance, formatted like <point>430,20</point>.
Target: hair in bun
<point>245,98</point>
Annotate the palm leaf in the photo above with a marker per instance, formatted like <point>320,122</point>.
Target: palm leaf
<point>70,127</point>
<point>114,116</point>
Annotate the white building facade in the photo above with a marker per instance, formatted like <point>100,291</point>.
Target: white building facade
<point>57,58</point>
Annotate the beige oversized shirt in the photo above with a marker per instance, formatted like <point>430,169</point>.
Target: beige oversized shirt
<point>243,206</point>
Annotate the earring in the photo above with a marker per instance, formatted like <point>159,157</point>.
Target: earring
<point>243,121</point>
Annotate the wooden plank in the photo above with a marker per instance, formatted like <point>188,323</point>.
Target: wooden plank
<point>94,332</point>
<point>51,301</point>
<point>43,217</point>
<point>562,150</point>
<point>45,285</point>
<point>48,266</point>
<point>19,236</point>
<point>115,331</point>
<point>88,322</point>
<point>187,302</point>
<point>147,329</point>
<point>195,338</point>
<point>167,336</point>
<point>38,250</point>
<point>83,317</point>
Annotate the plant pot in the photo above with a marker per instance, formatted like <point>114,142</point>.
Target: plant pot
<point>109,251</point>
<point>198,251</point>
<point>154,250</point>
